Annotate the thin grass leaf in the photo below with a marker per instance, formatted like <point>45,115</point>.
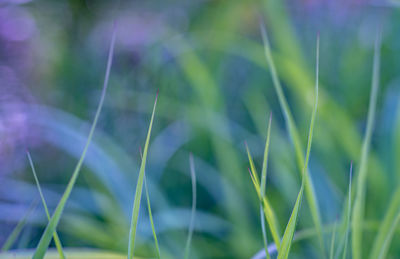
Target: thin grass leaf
<point>151,219</point>
<point>331,250</point>
<point>270,215</point>
<point>294,135</point>
<point>387,228</point>
<point>18,228</point>
<point>55,235</point>
<point>291,226</point>
<point>153,229</point>
<point>194,200</point>
<point>359,202</point>
<point>139,188</point>
<point>263,184</point>
<point>52,225</point>
<point>347,222</point>
<point>283,252</point>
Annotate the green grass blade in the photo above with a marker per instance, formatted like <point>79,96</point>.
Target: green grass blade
<point>294,135</point>
<point>151,219</point>
<point>387,228</point>
<point>291,226</point>
<point>57,240</point>
<point>359,202</point>
<point>194,200</point>
<point>283,252</point>
<point>347,223</point>
<point>139,188</point>
<point>52,225</point>
<point>263,185</point>
<point>269,213</point>
<point>18,228</point>
<point>331,251</point>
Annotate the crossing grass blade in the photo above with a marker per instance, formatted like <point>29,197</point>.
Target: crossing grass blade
<point>53,222</point>
<point>151,219</point>
<point>269,213</point>
<point>359,202</point>
<point>287,238</point>
<point>294,135</point>
<point>387,228</point>
<point>331,251</point>
<point>263,185</point>
<point>18,228</point>
<point>57,240</point>
<point>153,229</point>
<point>347,222</point>
<point>194,200</point>
<point>139,188</point>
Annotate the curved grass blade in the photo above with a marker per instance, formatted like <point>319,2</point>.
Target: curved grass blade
<point>194,200</point>
<point>359,202</point>
<point>52,225</point>
<point>269,213</point>
<point>294,135</point>
<point>347,223</point>
<point>291,226</point>
<point>263,185</point>
<point>139,188</point>
<point>57,240</point>
<point>18,228</point>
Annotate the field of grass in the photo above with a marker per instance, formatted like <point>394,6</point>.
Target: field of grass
<point>200,129</point>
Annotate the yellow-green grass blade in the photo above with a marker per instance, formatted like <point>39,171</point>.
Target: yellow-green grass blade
<point>331,250</point>
<point>194,200</point>
<point>55,235</point>
<point>151,219</point>
<point>359,202</point>
<point>387,228</point>
<point>347,222</point>
<point>269,213</point>
<point>18,228</point>
<point>287,238</point>
<point>294,135</point>
<point>370,226</point>
<point>139,188</point>
<point>53,222</point>
<point>263,185</point>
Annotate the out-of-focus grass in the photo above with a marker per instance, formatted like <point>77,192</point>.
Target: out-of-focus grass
<point>208,60</point>
<point>70,253</point>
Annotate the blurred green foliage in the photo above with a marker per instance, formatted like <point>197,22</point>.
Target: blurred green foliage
<point>207,60</point>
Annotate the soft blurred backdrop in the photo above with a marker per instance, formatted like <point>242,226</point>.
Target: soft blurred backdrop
<point>206,58</point>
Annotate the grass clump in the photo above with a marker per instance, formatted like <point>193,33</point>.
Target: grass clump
<point>283,246</point>
<point>294,135</point>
